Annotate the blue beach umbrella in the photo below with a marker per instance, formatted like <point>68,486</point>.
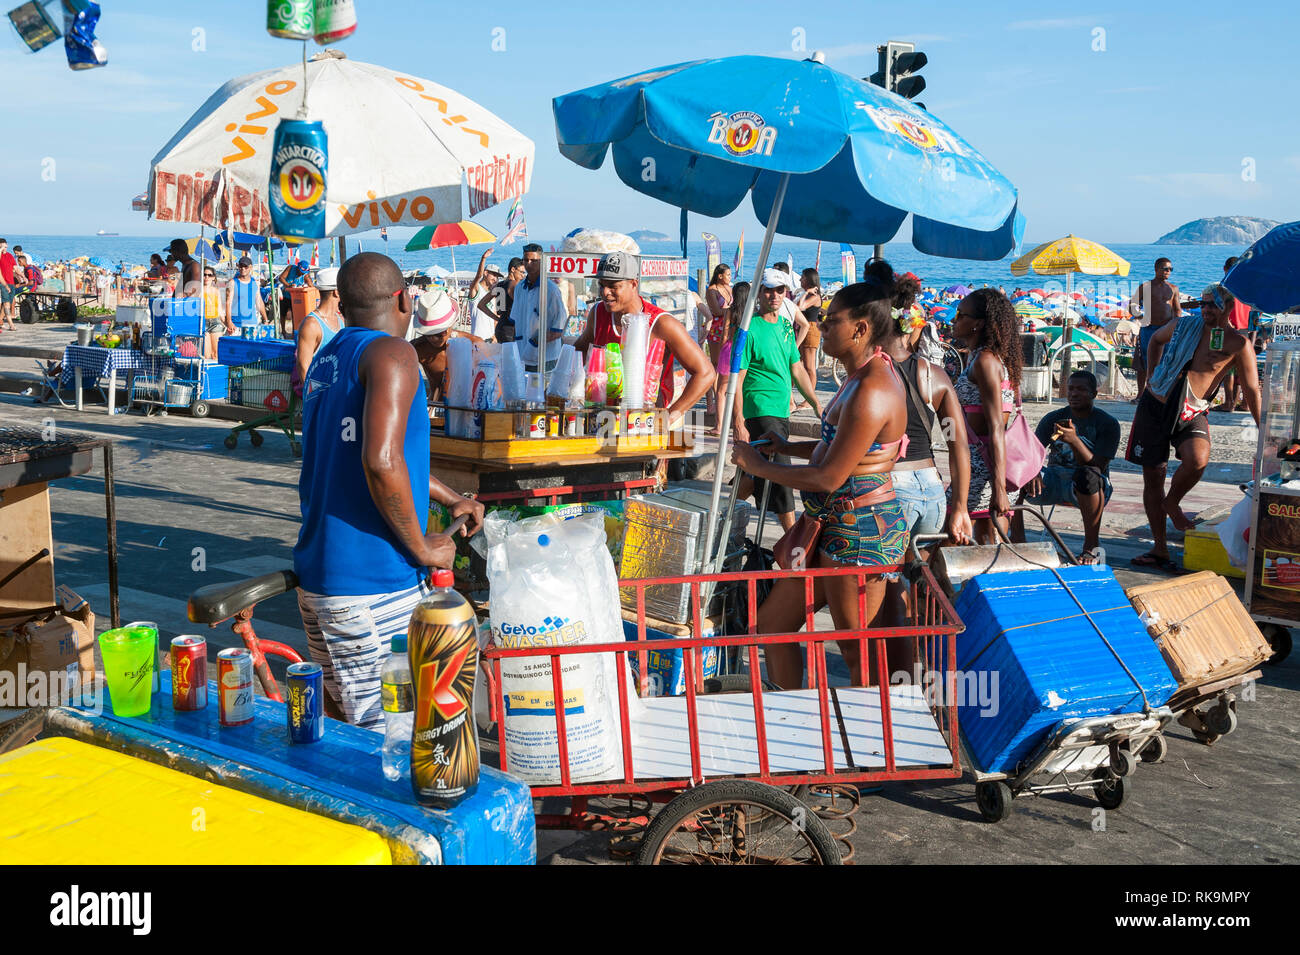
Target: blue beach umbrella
<point>102,262</point>
<point>246,241</point>
<point>1267,276</point>
<point>821,155</point>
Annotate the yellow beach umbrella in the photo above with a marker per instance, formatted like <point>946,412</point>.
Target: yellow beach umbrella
<point>1065,257</point>
<point>1069,255</point>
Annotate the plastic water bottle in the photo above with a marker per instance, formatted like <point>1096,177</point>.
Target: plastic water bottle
<point>399,711</point>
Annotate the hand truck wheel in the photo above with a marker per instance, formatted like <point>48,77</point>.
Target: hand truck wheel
<point>1279,638</point>
<point>994,800</point>
<point>200,409</point>
<point>1156,749</point>
<point>1122,762</point>
<point>712,825</point>
<point>231,441</point>
<point>1111,790</point>
<point>255,438</point>
<point>27,313</point>
<point>21,730</point>
<point>1222,719</point>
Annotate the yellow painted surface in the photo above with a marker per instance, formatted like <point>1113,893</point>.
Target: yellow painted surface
<point>1202,550</point>
<point>68,802</point>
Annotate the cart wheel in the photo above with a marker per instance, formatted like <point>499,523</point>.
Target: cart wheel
<point>1221,720</point>
<point>255,438</point>
<point>231,442</point>
<point>741,683</point>
<point>1156,749</point>
<point>200,409</point>
<point>711,825</point>
<point>66,311</point>
<point>295,448</point>
<point>1122,762</point>
<point>1202,736</point>
<point>1279,638</point>
<point>1110,790</point>
<point>27,313</point>
<point>994,800</point>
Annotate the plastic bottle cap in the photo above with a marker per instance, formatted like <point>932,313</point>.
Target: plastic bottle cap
<point>543,540</point>
<point>399,643</point>
<point>444,578</point>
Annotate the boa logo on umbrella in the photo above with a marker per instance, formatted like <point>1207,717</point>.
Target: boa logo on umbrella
<point>742,134</point>
<point>917,132</point>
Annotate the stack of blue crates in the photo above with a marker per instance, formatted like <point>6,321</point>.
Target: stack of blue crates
<point>1029,659</point>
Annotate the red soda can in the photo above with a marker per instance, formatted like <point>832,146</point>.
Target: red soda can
<point>189,672</point>
<point>235,686</point>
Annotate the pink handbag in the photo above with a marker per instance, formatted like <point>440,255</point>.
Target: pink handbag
<point>1025,454</point>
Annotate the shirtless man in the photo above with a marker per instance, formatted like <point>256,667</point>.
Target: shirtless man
<point>1189,358</point>
<point>1157,300</point>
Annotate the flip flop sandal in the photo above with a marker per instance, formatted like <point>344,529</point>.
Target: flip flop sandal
<point>1156,562</point>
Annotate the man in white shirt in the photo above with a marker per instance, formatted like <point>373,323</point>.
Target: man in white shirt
<point>524,312</point>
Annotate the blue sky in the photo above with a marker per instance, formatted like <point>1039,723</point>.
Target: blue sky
<point>1118,124</point>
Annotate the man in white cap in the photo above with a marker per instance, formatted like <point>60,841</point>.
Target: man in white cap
<point>320,326</point>
<point>769,364</point>
<point>431,329</point>
<point>619,276</point>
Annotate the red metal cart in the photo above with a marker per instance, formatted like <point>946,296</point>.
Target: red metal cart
<point>717,759</point>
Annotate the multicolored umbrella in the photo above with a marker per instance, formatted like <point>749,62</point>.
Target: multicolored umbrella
<point>1027,309</point>
<point>448,234</point>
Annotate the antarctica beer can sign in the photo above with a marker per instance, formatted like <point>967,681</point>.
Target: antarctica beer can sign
<point>299,161</point>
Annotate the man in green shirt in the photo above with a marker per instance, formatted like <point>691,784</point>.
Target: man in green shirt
<point>769,364</point>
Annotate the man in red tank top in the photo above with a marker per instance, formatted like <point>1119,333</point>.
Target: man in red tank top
<point>619,276</point>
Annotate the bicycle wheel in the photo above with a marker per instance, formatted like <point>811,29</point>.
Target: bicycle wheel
<point>712,825</point>
<point>952,361</point>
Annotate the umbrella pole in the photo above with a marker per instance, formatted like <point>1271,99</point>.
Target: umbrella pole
<point>275,299</point>
<point>724,425</point>
<point>1066,336</point>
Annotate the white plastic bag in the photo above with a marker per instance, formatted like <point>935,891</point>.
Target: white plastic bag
<point>553,584</point>
<point>1233,531</point>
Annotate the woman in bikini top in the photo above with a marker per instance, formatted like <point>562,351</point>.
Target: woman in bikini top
<point>846,483</point>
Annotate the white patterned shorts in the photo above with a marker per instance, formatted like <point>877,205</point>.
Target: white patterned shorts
<point>351,637</point>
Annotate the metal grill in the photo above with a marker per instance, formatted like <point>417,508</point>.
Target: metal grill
<point>29,444</point>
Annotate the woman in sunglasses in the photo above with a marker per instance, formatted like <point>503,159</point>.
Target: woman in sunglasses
<point>216,321</point>
<point>846,483</point>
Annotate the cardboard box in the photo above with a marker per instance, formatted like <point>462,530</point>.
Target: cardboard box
<point>64,645</point>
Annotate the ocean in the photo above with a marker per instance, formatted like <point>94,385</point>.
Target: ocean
<point>1195,266</point>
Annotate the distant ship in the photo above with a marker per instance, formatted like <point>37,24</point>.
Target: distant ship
<point>102,232</point>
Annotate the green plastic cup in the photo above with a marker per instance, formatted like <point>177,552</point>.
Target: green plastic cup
<point>129,655</point>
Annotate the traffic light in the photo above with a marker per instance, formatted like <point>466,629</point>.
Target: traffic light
<point>898,65</point>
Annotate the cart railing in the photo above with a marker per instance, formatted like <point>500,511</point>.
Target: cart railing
<point>932,622</point>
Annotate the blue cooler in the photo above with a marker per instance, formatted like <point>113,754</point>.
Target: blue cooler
<point>1027,632</point>
<point>176,316</point>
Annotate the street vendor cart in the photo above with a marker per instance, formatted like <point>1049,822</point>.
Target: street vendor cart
<point>35,303</point>
<point>1273,567</point>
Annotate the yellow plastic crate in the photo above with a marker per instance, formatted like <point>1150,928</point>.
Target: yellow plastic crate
<point>68,802</point>
<point>1202,550</point>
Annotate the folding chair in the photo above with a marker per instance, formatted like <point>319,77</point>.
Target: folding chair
<point>50,372</point>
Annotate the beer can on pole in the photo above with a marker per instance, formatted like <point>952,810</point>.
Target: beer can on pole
<point>235,686</point>
<point>299,163</point>
<point>306,703</point>
<point>189,672</point>
<point>335,20</point>
<point>290,19</point>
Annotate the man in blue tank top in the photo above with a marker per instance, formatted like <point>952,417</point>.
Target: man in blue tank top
<point>363,554</point>
<point>243,299</point>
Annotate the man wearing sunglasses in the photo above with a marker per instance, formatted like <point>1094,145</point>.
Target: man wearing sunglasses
<point>1156,301</point>
<point>364,552</point>
<point>1189,359</point>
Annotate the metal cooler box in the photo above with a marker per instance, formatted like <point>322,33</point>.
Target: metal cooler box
<point>665,538</point>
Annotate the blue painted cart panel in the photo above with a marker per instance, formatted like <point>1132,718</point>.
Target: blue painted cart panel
<point>340,777</point>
